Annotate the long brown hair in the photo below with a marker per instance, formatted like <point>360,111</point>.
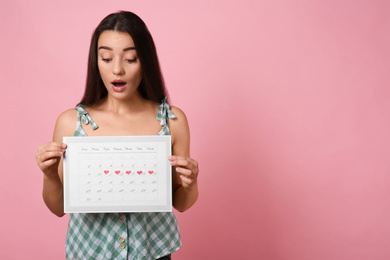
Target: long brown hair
<point>152,86</point>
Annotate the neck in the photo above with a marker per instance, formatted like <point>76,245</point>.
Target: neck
<point>133,104</point>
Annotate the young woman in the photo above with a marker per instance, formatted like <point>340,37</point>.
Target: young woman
<point>124,95</point>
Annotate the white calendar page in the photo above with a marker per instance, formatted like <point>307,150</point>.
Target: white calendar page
<point>117,174</point>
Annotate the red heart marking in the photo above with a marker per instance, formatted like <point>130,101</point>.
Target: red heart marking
<point>151,172</point>
<point>106,172</point>
<point>128,172</point>
<point>139,172</point>
<point>117,172</point>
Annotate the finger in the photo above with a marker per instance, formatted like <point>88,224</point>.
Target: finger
<point>46,164</point>
<point>185,164</point>
<point>180,162</point>
<point>186,181</point>
<point>51,146</point>
<point>49,155</point>
<point>183,171</point>
<point>176,158</point>
<point>55,146</point>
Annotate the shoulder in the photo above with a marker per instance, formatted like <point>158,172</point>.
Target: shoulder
<point>181,118</point>
<point>66,117</point>
<point>177,111</point>
<point>178,127</point>
<point>66,123</point>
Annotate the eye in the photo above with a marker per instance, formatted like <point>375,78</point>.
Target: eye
<point>131,61</point>
<point>106,60</point>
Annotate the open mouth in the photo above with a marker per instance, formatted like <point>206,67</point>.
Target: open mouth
<point>118,83</point>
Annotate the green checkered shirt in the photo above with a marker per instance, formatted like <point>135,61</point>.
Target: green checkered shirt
<point>145,236</point>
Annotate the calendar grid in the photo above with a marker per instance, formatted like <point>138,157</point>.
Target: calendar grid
<point>121,174</point>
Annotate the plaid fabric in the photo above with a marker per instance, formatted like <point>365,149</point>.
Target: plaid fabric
<point>163,112</point>
<point>106,236</point>
<point>84,117</point>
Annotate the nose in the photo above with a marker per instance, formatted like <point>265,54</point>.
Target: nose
<point>118,68</point>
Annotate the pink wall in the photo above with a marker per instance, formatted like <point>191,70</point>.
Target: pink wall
<point>288,103</point>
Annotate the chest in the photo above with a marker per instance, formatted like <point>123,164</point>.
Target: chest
<point>116,125</point>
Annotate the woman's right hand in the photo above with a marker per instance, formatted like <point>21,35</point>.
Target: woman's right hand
<point>48,157</point>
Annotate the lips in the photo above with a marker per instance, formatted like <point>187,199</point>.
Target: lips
<point>118,85</point>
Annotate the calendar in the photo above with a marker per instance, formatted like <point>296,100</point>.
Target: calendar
<point>117,174</point>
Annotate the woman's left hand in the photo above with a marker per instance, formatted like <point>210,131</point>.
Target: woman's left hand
<point>187,168</point>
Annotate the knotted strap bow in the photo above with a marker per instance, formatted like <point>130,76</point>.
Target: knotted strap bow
<point>164,110</point>
<point>85,118</point>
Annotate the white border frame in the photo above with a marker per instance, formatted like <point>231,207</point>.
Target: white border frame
<point>70,167</point>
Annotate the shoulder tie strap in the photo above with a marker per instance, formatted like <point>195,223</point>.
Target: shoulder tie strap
<point>84,116</point>
<point>163,112</point>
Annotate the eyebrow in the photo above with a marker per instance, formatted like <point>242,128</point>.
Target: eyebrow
<point>110,49</point>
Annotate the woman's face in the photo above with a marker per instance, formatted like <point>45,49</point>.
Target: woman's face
<point>118,64</point>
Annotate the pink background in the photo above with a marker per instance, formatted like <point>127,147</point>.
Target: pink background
<point>288,104</point>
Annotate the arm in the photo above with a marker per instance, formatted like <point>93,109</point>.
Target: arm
<point>49,158</point>
<point>185,169</point>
